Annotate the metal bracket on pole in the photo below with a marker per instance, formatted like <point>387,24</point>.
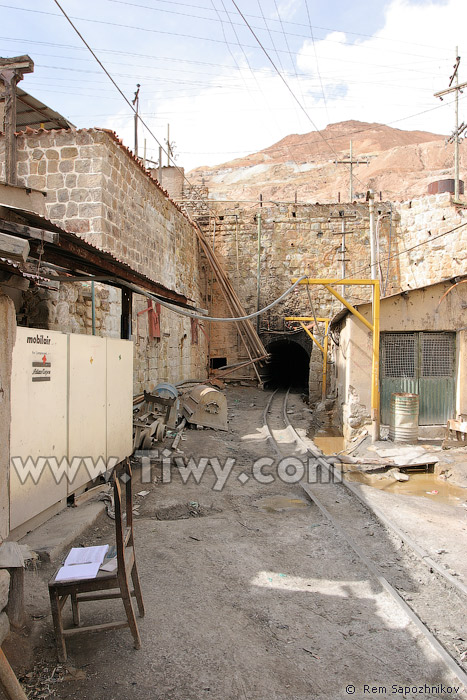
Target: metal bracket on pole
<point>323,347</point>
<point>374,327</point>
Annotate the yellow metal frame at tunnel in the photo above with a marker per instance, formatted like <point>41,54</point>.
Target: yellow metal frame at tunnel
<point>373,327</point>
<point>323,347</point>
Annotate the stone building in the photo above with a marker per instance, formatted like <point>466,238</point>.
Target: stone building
<point>96,188</point>
<point>421,242</point>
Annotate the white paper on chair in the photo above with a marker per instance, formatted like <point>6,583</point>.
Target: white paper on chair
<point>78,572</point>
<point>86,555</point>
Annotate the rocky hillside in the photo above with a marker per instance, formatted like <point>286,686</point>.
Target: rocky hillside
<point>398,163</point>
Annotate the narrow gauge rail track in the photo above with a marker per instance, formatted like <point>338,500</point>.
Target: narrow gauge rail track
<point>433,600</point>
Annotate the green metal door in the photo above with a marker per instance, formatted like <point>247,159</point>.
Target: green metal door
<point>423,364</point>
<point>437,383</point>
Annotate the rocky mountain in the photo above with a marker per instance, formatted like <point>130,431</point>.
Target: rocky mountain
<point>398,163</point>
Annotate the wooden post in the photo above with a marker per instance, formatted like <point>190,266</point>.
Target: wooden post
<point>15,607</point>
<point>127,297</point>
<point>8,681</point>
<point>11,72</point>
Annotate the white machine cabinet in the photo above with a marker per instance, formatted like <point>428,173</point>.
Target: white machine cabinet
<point>71,400</point>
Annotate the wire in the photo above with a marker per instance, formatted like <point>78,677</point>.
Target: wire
<point>316,58</point>
<point>403,252</point>
<point>138,116</point>
<point>297,24</point>
<point>191,36</point>
<point>288,86</point>
<point>171,307</point>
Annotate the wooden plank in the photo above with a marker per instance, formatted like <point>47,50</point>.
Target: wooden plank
<point>95,628</point>
<point>29,231</point>
<point>13,248</point>
<point>458,425</point>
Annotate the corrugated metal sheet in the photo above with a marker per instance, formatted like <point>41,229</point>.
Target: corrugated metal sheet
<point>423,364</point>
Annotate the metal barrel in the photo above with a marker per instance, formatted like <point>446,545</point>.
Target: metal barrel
<point>403,419</point>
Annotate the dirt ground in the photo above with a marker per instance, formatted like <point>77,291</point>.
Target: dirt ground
<point>249,592</point>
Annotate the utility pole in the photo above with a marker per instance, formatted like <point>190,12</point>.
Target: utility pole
<point>12,71</point>
<point>343,250</point>
<point>371,209</point>
<point>168,145</point>
<point>135,103</point>
<point>351,162</point>
<point>457,129</point>
<point>258,269</point>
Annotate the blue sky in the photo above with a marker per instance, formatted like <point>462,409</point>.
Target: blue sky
<point>202,70</point>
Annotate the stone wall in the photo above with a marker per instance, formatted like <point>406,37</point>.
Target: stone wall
<point>296,239</point>
<point>444,254</point>
<point>97,189</point>
<point>301,239</point>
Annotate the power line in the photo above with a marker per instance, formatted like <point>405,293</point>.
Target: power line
<point>191,36</point>
<point>316,58</point>
<point>301,36</point>
<point>284,80</point>
<point>167,152</point>
<point>297,24</point>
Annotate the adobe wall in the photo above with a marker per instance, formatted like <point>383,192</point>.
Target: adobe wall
<point>97,189</point>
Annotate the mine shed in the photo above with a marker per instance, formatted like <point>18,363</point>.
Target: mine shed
<point>422,351</point>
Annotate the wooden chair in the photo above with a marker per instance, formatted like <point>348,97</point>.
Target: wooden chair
<point>107,584</point>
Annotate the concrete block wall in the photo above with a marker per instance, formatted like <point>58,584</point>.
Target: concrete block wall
<point>97,189</point>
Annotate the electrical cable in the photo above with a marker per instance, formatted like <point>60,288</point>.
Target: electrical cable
<point>200,38</point>
<point>138,116</point>
<point>171,307</point>
<point>297,24</point>
<point>316,59</point>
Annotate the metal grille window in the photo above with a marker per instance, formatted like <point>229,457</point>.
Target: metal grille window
<point>399,355</point>
<point>437,355</point>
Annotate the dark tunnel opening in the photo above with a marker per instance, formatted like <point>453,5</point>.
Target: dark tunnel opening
<point>288,365</point>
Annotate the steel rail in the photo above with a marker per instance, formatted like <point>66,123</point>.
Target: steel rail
<point>446,657</point>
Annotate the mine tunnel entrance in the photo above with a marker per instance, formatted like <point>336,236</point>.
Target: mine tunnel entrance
<point>288,365</point>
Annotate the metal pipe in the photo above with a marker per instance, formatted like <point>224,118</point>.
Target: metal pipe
<point>93,308</point>
<point>325,360</point>
<point>456,138</point>
<point>371,210</point>
<point>258,272</point>
<point>349,306</point>
<point>375,419</point>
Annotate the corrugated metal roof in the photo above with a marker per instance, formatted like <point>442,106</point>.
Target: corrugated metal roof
<point>343,312</point>
<point>74,248</point>
<point>35,114</point>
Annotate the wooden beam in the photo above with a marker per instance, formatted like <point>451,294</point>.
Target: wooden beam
<point>13,248</point>
<point>29,231</point>
<point>126,318</point>
<point>11,72</point>
<point>76,256</point>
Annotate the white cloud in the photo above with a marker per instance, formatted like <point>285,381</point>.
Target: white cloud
<point>384,78</point>
<point>395,73</point>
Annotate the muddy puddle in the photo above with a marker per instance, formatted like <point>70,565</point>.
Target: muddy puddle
<point>329,444</point>
<point>277,504</point>
<point>419,484</point>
